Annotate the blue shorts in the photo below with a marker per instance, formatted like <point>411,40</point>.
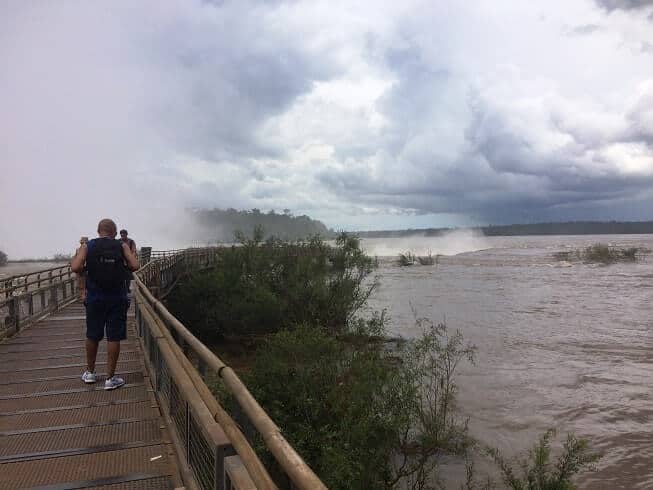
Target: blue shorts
<point>108,315</point>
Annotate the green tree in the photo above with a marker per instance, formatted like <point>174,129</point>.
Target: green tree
<point>261,287</point>
<point>364,419</point>
<point>538,472</point>
<point>3,258</point>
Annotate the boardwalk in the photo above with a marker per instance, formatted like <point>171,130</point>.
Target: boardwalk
<point>163,430</point>
<point>56,432</point>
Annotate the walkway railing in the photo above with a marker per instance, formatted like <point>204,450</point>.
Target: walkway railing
<point>25,298</point>
<point>206,436</point>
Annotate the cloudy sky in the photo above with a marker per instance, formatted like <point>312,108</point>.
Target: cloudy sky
<point>363,114</point>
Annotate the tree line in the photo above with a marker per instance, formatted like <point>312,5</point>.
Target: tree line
<point>220,224</point>
<point>551,228</point>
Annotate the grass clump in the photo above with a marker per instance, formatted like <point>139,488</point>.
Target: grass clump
<point>567,255</point>
<point>428,259</point>
<point>538,472</point>
<point>600,253</point>
<point>406,259</point>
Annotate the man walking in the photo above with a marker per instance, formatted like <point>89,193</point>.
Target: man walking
<point>130,243</point>
<point>107,262</point>
<point>132,246</point>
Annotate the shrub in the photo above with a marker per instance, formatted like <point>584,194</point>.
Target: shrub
<point>630,254</point>
<point>263,287</point>
<point>3,258</point>
<point>537,470</point>
<point>406,259</point>
<point>601,253</point>
<point>428,259</point>
<point>567,255</point>
<point>360,419</point>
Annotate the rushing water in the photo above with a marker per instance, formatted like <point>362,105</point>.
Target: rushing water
<point>559,346</point>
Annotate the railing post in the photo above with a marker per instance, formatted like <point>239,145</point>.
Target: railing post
<point>42,294</point>
<point>54,304</point>
<point>145,255</point>
<point>13,313</point>
<point>30,305</point>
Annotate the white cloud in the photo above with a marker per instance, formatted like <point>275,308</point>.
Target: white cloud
<point>356,113</point>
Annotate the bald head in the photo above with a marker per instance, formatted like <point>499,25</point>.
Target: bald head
<point>107,227</point>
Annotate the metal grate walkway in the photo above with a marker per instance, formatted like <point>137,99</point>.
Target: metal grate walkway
<point>58,433</point>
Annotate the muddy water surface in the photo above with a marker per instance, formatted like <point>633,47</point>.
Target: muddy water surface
<point>559,346</point>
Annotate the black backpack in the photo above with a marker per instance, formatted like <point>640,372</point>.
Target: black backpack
<point>105,264</point>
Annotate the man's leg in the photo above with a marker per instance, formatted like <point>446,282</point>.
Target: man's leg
<point>116,332</point>
<point>113,352</point>
<point>91,354</point>
<point>95,315</point>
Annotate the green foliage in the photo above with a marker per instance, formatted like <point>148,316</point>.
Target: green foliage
<point>538,472</point>
<point>261,287</point>
<point>601,253</point>
<point>630,253</point>
<point>428,259</point>
<point>3,258</point>
<point>361,417</point>
<point>568,255</point>
<point>220,224</point>
<point>406,259</point>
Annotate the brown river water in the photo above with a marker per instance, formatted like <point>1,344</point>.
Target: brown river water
<point>559,346</point>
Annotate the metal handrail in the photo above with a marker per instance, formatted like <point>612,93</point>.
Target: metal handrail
<point>18,310</point>
<point>21,281</point>
<point>155,278</point>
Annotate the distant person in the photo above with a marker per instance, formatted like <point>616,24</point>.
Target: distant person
<point>132,246</point>
<point>130,243</point>
<point>107,263</point>
<point>81,276</point>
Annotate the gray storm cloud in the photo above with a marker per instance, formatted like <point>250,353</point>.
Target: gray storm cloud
<point>398,113</point>
<point>611,5</point>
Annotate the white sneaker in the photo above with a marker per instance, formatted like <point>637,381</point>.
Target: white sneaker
<point>89,377</point>
<point>113,383</point>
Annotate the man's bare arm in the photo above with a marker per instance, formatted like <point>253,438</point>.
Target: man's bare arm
<point>78,261</point>
<point>130,257</point>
